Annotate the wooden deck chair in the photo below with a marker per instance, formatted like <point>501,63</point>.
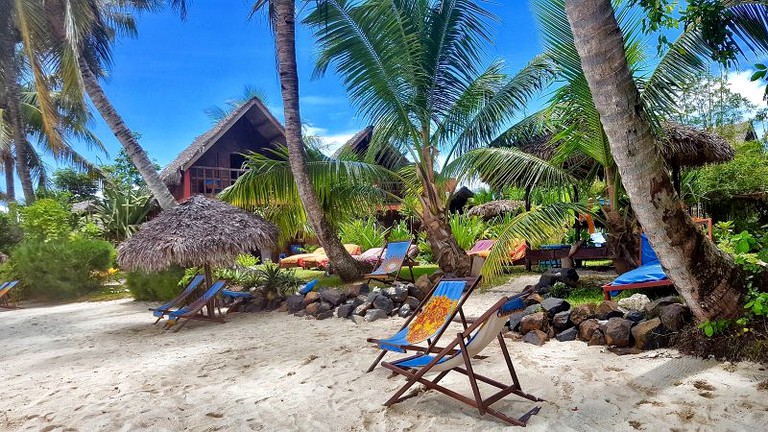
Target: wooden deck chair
<point>395,256</point>
<point>649,274</point>
<point>479,253</point>
<point>457,357</point>
<point>5,290</point>
<point>194,309</point>
<point>430,319</point>
<point>161,311</point>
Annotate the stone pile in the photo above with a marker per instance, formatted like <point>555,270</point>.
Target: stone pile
<point>632,324</point>
<point>358,303</point>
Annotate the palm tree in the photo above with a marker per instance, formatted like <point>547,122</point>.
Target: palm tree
<point>74,37</point>
<point>283,19</point>
<point>708,279</point>
<point>414,70</point>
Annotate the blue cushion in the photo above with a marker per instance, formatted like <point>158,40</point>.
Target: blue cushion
<point>308,287</point>
<point>644,273</point>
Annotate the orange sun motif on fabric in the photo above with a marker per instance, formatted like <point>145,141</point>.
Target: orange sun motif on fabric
<point>430,319</point>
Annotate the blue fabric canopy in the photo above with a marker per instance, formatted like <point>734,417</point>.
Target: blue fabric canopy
<point>393,259</point>
<point>645,273</point>
<point>161,310</point>
<point>212,291</point>
<point>647,254</point>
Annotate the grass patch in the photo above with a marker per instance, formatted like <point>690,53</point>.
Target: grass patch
<point>333,281</point>
<point>107,293</point>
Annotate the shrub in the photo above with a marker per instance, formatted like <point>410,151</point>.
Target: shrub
<point>45,220</point>
<point>158,286</point>
<point>61,270</point>
<point>467,229</point>
<point>10,233</point>
<point>400,232</point>
<point>363,232</point>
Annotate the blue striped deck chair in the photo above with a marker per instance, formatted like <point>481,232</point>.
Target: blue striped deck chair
<point>430,319</point>
<point>457,357</point>
<point>5,290</point>
<point>191,310</point>
<point>161,311</point>
<point>395,256</point>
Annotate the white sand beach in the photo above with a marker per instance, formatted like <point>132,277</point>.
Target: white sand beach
<point>103,366</point>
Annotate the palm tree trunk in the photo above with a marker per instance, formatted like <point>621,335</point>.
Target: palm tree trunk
<point>449,255</point>
<point>285,44</point>
<point>712,285</point>
<point>132,147</point>
<point>10,186</point>
<point>19,138</point>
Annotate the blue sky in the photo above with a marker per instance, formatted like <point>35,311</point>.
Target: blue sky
<point>162,81</point>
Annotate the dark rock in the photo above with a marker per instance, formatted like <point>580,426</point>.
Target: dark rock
<point>397,294</point>
<point>582,313</point>
<point>567,276</point>
<point>617,332</point>
<point>383,303</point>
<point>313,308</point>
<point>300,314</point>
<point>597,338</point>
<point>587,328</point>
<point>607,310</point>
<point>332,296</point>
<point>345,310</point>
<point>674,316</point>
<point>542,289</point>
<point>283,306</point>
<point>354,289</point>
<point>514,321</point>
<point>361,309</point>
<point>357,319</point>
<point>535,321</point>
<point>532,299</point>
<point>325,315</point>
<point>436,276</point>
<point>567,335</point>
<point>295,303</point>
<point>562,320</point>
<point>412,302</point>
<point>357,301</point>
<point>649,334</point>
<point>554,305</point>
<point>653,309</point>
<point>324,307</point>
<point>311,297</point>
<point>423,283</point>
<point>404,311</point>
<point>375,314</point>
<point>536,337</point>
<point>634,316</point>
<point>531,309</point>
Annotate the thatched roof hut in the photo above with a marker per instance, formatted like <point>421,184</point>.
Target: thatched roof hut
<point>493,209</point>
<point>388,157</point>
<point>686,146</point>
<point>199,232</point>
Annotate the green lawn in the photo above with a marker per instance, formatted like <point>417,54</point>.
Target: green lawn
<point>325,281</point>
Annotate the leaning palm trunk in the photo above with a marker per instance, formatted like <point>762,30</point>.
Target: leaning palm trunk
<point>137,154</point>
<point>19,138</point>
<point>10,186</point>
<point>285,44</point>
<point>709,281</point>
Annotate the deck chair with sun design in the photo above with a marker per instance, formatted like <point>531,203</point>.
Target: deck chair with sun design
<point>395,256</point>
<point>430,319</point>
<point>457,357</point>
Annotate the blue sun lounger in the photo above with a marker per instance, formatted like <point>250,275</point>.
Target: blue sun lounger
<point>648,275</point>
<point>161,311</point>
<point>5,289</point>
<point>191,310</point>
<point>430,319</point>
<point>395,256</point>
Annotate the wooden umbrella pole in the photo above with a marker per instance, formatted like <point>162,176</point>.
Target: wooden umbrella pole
<point>208,284</point>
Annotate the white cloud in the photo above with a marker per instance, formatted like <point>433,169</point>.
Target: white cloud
<point>739,82</point>
<point>330,142</point>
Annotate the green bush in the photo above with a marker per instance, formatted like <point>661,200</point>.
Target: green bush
<point>467,229</point>
<point>10,233</point>
<point>400,232</point>
<point>363,232</point>
<point>159,286</point>
<point>61,270</point>
<point>45,220</point>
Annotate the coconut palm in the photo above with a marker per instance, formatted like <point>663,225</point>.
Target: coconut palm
<point>708,279</point>
<point>414,70</point>
<point>74,37</point>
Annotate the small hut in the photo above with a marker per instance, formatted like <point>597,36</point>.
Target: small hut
<point>200,232</point>
<point>689,147</point>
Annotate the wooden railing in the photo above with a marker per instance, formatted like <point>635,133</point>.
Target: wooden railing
<point>212,180</point>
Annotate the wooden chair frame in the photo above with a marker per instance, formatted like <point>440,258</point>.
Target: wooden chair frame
<point>472,283</point>
<point>385,278</point>
<point>483,405</point>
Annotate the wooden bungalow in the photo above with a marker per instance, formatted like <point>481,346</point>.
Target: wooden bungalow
<point>215,159</point>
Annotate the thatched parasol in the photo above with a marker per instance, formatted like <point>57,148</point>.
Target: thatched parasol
<point>493,209</point>
<point>686,146</point>
<point>199,232</point>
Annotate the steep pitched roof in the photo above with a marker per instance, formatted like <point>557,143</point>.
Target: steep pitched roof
<point>388,157</point>
<point>171,174</point>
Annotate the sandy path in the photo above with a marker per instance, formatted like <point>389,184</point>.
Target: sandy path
<point>103,366</point>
